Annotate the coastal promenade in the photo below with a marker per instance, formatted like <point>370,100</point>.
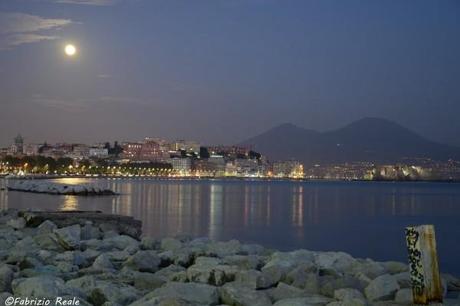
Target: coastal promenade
<point>102,259</point>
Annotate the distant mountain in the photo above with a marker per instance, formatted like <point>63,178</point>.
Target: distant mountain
<point>369,139</point>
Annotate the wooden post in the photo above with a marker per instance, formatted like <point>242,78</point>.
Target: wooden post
<point>423,264</point>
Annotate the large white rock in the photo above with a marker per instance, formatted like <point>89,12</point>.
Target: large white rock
<point>39,286</point>
<point>281,263</point>
<point>170,244</point>
<point>46,227</point>
<point>103,262</point>
<point>317,300</point>
<point>237,294</point>
<point>339,262</point>
<point>254,279</point>
<point>6,277</point>
<point>144,261</point>
<point>69,237</point>
<point>404,296</point>
<point>209,270</point>
<point>17,223</point>
<point>200,294</point>
<point>382,288</point>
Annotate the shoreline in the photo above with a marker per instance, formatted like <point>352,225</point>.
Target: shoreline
<point>211,178</point>
<point>103,259</point>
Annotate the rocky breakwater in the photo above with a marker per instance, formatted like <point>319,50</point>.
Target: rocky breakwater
<point>81,256</point>
<point>44,186</point>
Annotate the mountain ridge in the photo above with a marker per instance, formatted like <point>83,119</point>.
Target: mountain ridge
<point>370,139</point>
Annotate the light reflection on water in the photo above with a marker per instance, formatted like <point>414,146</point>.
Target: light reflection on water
<point>364,219</point>
<point>70,203</point>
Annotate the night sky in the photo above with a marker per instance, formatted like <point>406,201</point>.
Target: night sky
<point>220,71</point>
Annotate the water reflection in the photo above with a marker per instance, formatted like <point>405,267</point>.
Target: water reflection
<point>365,219</point>
<point>70,203</point>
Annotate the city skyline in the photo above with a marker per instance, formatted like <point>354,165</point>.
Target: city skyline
<point>220,71</point>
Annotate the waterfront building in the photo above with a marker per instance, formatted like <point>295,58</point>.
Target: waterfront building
<point>288,169</point>
<point>32,149</point>
<point>248,167</point>
<point>229,151</point>
<point>131,150</point>
<point>98,152</point>
<point>80,151</point>
<point>17,148</point>
<point>3,152</point>
<point>185,145</point>
<point>231,169</point>
<point>181,165</point>
<point>152,150</point>
<point>148,150</point>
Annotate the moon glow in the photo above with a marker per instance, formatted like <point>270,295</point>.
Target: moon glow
<point>70,50</point>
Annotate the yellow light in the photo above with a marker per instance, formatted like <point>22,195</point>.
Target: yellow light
<point>70,50</point>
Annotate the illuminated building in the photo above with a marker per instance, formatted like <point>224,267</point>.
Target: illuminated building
<point>288,168</point>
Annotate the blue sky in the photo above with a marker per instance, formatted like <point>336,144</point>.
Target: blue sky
<point>220,71</point>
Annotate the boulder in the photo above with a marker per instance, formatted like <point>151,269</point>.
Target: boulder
<point>183,257</point>
<point>395,267</point>
<point>29,262</point>
<point>285,291</point>
<point>281,263</point>
<point>208,272</point>
<point>200,294</point>
<point>69,257</point>
<point>254,279</point>
<point>102,263</point>
<point>147,281</point>
<point>303,276</point>
<point>88,256</point>
<point>169,273</point>
<point>148,300</point>
<point>17,223</point>
<point>351,302</point>
<point>122,242</point>
<point>246,262</point>
<point>348,294</point>
<point>49,241</point>
<point>112,294</point>
<point>403,279</point>
<point>89,231</point>
<point>239,295</point>
<point>329,283</point>
<point>170,244</point>
<point>40,271</point>
<point>314,300</point>
<point>371,269</point>
<point>404,296</point>
<point>338,262</point>
<point>46,227</point>
<point>382,288</point>
<point>40,287</point>
<point>69,237</point>
<point>223,248</point>
<point>84,284</point>
<point>143,261</point>
<point>117,258</point>
<point>4,296</point>
<point>6,277</point>
<point>149,243</point>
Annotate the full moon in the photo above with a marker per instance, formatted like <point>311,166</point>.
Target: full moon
<point>70,50</point>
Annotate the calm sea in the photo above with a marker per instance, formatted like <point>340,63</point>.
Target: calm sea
<point>365,219</point>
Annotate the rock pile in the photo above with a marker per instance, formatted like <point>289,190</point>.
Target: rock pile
<point>45,186</point>
<point>99,265</point>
